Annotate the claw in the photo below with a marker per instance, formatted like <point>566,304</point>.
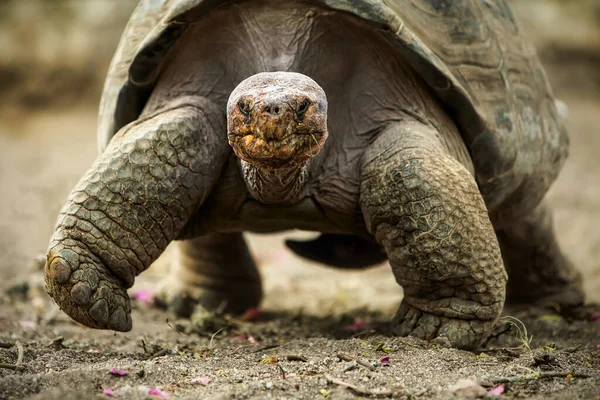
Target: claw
<point>441,330</point>
<point>95,298</point>
<point>59,270</point>
<point>442,341</point>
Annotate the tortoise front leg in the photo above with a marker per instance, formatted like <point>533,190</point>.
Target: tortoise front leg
<point>426,211</point>
<point>130,204</point>
<point>215,271</point>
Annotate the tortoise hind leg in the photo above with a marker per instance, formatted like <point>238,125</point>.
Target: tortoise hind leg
<point>537,269</point>
<point>215,271</point>
<point>339,251</point>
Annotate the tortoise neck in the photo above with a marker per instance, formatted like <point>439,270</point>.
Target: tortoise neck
<point>275,185</point>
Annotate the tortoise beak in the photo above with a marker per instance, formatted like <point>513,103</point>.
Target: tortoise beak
<point>271,136</point>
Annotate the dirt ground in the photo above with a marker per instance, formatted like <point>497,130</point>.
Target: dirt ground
<point>321,333</point>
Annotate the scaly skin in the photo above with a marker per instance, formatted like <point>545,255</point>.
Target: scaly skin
<point>425,209</point>
<point>216,271</point>
<point>132,202</point>
<point>539,272</point>
<point>277,120</point>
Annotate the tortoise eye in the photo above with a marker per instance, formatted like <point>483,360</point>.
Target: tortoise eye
<point>244,108</point>
<point>303,108</point>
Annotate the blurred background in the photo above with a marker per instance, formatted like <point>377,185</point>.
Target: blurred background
<point>54,55</point>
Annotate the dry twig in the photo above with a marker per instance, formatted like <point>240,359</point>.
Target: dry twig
<point>538,375</point>
<point>281,370</point>
<point>20,353</point>
<point>11,366</point>
<point>159,353</point>
<point>17,366</point>
<point>359,390</point>
<point>294,357</point>
<point>348,357</point>
<point>266,347</point>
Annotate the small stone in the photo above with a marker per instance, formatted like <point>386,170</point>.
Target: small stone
<point>467,388</point>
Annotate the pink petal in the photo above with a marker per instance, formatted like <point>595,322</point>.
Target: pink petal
<point>158,393</point>
<point>281,256</point>
<point>252,314</point>
<point>144,296</point>
<point>201,379</point>
<point>385,360</point>
<point>497,391</point>
<point>27,324</point>
<point>108,392</point>
<point>358,324</point>
<point>116,372</point>
<point>94,351</point>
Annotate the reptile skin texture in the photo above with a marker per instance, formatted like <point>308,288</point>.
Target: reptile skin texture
<point>124,212</point>
<point>424,208</point>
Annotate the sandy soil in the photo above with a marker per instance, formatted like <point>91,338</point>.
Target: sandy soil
<point>320,329</point>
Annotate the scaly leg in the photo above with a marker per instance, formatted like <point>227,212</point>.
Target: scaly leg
<point>538,271</point>
<point>132,202</point>
<point>426,211</point>
<point>339,251</point>
<point>215,271</point>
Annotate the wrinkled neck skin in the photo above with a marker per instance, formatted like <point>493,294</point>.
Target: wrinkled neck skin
<point>277,186</point>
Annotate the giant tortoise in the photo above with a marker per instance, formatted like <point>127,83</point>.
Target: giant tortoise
<point>421,131</point>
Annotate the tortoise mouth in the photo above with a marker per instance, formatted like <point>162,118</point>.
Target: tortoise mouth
<point>287,151</point>
<point>277,119</point>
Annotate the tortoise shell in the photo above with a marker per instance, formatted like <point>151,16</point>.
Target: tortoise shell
<point>471,53</point>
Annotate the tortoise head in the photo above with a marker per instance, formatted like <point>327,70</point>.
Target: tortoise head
<point>277,119</point>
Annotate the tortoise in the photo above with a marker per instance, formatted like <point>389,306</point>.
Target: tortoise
<point>424,132</point>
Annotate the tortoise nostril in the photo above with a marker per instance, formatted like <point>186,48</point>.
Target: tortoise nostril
<point>272,109</point>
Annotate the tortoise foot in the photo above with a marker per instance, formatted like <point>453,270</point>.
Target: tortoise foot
<point>89,294</point>
<point>564,298</point>
<point>182,298</point>
<point>445,331</point>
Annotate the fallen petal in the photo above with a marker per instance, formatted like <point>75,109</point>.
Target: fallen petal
<point>27,324</point>
<point>497,391</point>
<point>116,372</point>
<point>385,360</point>
<point>252,314</point>
<point>201,379</point>
<point>144,296</point>
<point>358,324</point>
<point>108,392</point>
<point>157,393</point>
